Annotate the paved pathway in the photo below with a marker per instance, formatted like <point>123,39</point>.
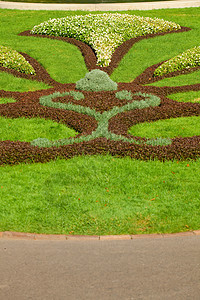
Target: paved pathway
<point>154,268</point>
<point>103,6</point>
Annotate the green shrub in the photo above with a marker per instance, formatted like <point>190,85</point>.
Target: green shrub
<point>185,60</point>
<point>124,95</point>
<point>96,81</point>
<point>11,59</point>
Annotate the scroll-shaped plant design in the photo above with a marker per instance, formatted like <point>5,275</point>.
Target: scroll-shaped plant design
<point>102,118</point>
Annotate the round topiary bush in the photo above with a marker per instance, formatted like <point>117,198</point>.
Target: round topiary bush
<point>96,81</point>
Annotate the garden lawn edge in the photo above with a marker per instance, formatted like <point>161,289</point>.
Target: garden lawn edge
<point>10,235</point>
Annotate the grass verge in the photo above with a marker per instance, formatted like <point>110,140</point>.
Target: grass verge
<point>10,83</point>
<point>100,195</point>
<point>7,100</point>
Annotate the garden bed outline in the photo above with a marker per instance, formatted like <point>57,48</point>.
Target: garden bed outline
<point>27,105</point>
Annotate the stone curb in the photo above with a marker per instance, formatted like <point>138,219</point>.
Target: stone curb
<point>101,6</point>
<point>10,235</point>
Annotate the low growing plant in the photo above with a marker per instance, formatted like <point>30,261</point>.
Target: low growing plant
<point>124,95</point>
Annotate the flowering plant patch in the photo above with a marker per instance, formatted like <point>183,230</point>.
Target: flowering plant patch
<point>104,32</point>
<point>11,59</point>
<point>186,60</point>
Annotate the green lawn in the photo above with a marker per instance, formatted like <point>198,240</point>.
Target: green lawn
<point>192,96</point>
<point>99,194</point>
<point>26,130</point>
<point>179,80</point>
<point>169,128</point>
<point>10,83</point>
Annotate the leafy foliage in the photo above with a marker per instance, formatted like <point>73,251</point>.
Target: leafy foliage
<point>124,95</point>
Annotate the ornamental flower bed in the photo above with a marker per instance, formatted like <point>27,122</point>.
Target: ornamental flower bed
<point>11,59</point>
<point>105,32</point>
<point>102,118</point>
<point>186,60</point>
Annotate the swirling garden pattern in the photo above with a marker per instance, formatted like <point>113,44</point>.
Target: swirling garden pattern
<point>101,118</point>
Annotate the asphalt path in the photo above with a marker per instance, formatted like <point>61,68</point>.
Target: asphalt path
<point>150,268</point>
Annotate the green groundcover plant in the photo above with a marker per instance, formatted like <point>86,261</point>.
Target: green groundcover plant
<point>11,59</point>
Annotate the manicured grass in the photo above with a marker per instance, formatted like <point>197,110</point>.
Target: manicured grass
<point>10,83</point>
<point>192,96</point>
<point>169,128</point>
<point>117,196</point>
<point>7,100</point>
<point>191,78</point>
<point>26,130</point>
<point>100,195</point>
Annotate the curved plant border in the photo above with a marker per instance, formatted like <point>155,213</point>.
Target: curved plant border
<point>28,105</point>
<point>89,54</point>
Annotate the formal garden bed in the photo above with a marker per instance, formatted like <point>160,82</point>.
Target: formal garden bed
<point>96,114</point>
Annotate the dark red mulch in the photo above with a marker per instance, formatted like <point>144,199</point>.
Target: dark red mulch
<point>27,105</point>
<point>18,152</point>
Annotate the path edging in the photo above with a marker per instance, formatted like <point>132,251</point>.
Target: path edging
<point>10,235</point>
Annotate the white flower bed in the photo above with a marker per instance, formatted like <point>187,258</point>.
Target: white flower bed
<point>104,32</point>
<point>186,60</point>
<point>11,59</point>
